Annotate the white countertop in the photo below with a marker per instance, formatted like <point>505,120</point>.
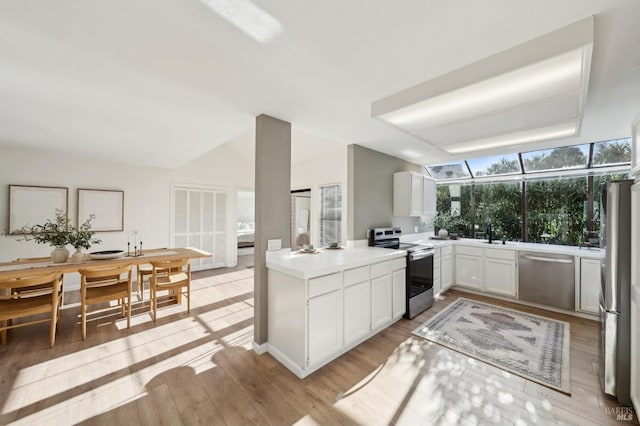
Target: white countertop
<point>592,253</point>
<point>307,265</point>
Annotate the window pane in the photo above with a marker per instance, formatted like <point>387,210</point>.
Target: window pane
<point>563,158</point>
<point>499,165</point>
<point>454,209</point>
<point>556,210</point>
<point>449,171</point>
<point>498,204</point>
<point>330,214</point>
<point>608,153</point>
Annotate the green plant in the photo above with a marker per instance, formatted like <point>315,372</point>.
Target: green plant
<point>453,224</point>
<point>60,232</point>
<point>83,237</point>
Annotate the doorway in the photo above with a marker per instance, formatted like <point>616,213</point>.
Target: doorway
<point>300,218</point>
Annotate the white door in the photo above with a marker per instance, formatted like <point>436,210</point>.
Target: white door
<point>381,309</point>
<point>399,293</point>
<point>446,271</point>
<point>428,196</point>
<point>200,221</point>
<point>357,316</point>
<point>500,276</point>
<point>416,194</point>
<point>325,326</point>
<point>469,271</point>
<point>589,285</point>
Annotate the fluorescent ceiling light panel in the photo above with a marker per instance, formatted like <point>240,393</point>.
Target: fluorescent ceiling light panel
<point>513,97</point>
<point>519,138</point>
<point>247,17</point>
<point>552,77</point>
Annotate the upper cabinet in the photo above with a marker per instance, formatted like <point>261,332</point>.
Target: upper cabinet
<point>635,146</point>
<point>413,194</point>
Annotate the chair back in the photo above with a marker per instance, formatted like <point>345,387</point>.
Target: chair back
<point>171,267</point>
<point>21,288</point>
<point>100,277</point>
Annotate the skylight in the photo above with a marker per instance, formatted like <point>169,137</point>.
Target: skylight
<point>566,159</point>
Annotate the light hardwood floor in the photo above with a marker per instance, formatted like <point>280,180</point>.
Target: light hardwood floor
<point>200,369</point>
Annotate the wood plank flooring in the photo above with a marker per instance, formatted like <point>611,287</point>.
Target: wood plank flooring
<point>200,369</point>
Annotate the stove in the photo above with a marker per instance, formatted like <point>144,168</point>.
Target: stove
<point>419,273</point>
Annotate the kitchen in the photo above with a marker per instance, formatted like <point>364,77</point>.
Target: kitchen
<point>364,165</point>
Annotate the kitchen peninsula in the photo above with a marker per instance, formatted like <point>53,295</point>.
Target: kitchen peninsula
<point>323,304</point>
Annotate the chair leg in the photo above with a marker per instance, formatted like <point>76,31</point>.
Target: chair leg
<point>54,325</point>
<point>155,305</point>
<point>84,321</point>
<point>188,298</point>
<point>129,311</point>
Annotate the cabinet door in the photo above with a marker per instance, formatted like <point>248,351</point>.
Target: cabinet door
<point>357,315</point>
<point>500,277</point>
<point>589,285</point>
<point>469,271</point>
<point>428,196</point>
<point>399,293</point>
<point>325,326</point>
<point>416,194</point>
<point>381,308</point>
<point>446,272</point>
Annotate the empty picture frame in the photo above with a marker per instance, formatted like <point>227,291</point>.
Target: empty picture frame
<point>106,205</point>
<point>33,205</point>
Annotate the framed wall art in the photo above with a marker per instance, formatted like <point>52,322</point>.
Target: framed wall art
<point>106,205</point>
<point>33,205</point>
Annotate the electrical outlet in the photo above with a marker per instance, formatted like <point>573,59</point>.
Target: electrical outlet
<point>273,245</point>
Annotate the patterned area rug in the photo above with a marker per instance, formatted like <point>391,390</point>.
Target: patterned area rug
<point>531,346</point>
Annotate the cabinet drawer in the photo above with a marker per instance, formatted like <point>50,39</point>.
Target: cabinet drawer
<point>500,254</point>
<point>325,284</point>
<point>380,269</point>
<point>446,250</point>
<point>469,251</point>
<point>356,275</point>
<point>399,263</point>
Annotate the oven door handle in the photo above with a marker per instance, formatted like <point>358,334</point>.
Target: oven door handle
<point>418,256</point>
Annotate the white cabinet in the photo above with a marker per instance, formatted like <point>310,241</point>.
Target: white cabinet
<point>381,294</point>
<point>413,194</point>
<point>589,285</point>
<point>428,196</point>
<point>436,272</point>
<point>469,267</point>
<point>325,326</point>
<point>357,310</point>
<point>399,291</point>
<point>500,272</point>
<point>446,268</point>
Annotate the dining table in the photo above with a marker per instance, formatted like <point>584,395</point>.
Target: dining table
<point>30,267</point>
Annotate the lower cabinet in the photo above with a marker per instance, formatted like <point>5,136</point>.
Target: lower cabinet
<point>589,285</point>
<point>381,309</point>
<point>500,272</point>
<point>357,314</point>
<point>313,321</point>
<point>446,268</point>
<point>325,325</point>
<point>469,270</point>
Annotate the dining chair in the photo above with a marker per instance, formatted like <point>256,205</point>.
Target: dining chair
<point>100,285</point>
<point>43,259</point>
<point>171,275</point>
<point>143,271</point>
<point>24,297</point>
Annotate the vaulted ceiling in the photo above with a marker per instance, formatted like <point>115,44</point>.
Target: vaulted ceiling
<point>168,80</point>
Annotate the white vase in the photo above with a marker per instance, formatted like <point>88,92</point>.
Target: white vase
<point>77,256</point>
<point>443,233</point>
<point>59,255</point>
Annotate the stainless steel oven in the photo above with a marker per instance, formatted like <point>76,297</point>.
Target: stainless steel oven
<point>419,280</point>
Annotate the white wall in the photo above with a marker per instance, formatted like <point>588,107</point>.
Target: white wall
<point>330,168</point>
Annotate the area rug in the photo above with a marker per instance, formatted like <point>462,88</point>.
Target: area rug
<point>531,346</point>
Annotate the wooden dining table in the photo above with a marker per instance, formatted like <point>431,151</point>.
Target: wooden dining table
<point>30,267</point>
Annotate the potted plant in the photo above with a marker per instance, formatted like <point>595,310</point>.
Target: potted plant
<point>82,238</point>
<point>55,233</point>
<point>59,233</point>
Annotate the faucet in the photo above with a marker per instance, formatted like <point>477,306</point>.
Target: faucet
<point>489,233</point>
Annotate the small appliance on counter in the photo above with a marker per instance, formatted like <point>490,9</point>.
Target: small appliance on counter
<point>419,268</point>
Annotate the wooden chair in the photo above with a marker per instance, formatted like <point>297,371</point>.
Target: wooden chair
<point>100,285</point>
<point>23,297</point>
<point>143,271</point>
<point>170,275</point>
<point>43,259</point>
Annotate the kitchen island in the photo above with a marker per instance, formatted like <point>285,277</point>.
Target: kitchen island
<point>322,304</point>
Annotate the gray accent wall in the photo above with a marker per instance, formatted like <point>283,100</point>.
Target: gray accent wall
<point>272,205</point>
<point>370,192</point>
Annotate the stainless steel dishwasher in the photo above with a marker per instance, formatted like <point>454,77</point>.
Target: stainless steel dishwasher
<point>547,279</point>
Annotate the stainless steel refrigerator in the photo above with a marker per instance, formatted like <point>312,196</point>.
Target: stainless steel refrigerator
<point>615,295</point>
